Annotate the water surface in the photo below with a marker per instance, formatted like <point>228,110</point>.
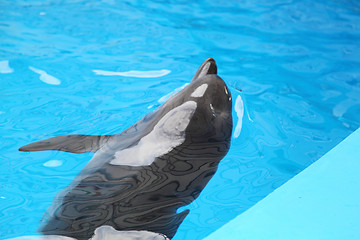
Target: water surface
<point>79,67</point>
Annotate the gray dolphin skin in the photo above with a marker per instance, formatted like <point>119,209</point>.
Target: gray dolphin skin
<point>138,179</point>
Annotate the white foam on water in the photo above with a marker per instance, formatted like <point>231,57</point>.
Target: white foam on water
<point>53,163</point>
<point>199,91</point>
<point>167,134</point>
<point>5,68</point>
<point>45,77</point>
<point>138,74</point>
<point>239,109</point>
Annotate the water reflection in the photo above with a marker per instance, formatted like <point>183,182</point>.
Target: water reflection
<point>5,68</point>
<point>239,109</point>
<point>133,73</point>
<point>45,77</point>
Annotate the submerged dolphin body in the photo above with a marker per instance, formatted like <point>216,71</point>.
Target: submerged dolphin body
<point>138,179</point>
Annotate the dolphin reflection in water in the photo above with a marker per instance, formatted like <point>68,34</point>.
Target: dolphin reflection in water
<point>138,179</point>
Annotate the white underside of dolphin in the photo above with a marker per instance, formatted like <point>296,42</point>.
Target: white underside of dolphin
<point>167,134</point>
<point>103,233</point>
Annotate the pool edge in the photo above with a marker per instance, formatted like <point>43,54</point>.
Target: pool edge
<point>320,202</point>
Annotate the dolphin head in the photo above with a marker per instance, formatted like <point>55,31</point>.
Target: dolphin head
<point>210,123</point>
<point>213,118</point>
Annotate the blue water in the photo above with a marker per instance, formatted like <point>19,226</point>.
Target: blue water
<point>295,65</point>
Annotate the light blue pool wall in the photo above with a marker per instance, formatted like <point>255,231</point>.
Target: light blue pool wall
<point>320,203</point>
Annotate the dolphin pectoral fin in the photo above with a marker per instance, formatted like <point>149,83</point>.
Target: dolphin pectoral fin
<point>69,143</point>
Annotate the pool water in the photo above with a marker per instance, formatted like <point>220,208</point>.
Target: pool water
<point>80,67</point>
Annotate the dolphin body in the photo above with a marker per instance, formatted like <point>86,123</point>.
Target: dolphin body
<point>138,179</point>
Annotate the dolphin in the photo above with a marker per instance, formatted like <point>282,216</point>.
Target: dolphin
<point>138,179</point>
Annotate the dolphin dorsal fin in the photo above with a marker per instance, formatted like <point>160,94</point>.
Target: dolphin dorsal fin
<point>69,143</point>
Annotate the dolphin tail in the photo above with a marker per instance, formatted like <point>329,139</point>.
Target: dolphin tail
<point>69,143</point>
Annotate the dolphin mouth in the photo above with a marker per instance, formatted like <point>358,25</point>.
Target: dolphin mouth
<point>211,66</point>
<point>210,60</point>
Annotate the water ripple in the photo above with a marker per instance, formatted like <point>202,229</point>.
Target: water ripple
<point>295,62</point>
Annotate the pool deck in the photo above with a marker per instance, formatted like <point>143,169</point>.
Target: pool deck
<point>322,202</point>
